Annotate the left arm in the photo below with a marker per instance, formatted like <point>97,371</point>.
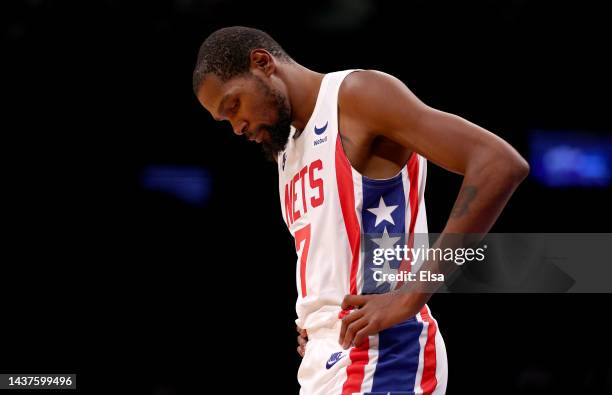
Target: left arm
<point>491,171</point>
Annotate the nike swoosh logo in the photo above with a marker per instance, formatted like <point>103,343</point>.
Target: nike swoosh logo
<point>331,363</point>
<point>320,130</point>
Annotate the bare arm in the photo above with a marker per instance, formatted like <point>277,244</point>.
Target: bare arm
<point>491,168</point>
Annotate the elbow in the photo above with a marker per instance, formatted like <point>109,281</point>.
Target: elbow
<point>520,169</point>
<point>516,169</point>
<point>506,168</point>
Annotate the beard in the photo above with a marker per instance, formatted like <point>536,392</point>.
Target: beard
<point>278,133</point>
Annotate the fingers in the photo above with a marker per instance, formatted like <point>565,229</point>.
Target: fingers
<point>363,334</point>
<point>302,339</point>
<point>352,301</point>
<point>351,330</point>
<point>346,321</point>
<point>301,349</point>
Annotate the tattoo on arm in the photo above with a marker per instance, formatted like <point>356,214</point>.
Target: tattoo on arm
<point>466,196</point>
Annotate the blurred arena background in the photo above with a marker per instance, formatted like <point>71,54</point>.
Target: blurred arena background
<point>144,245</point>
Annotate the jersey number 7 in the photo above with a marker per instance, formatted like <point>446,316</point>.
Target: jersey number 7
<point>303,234</point>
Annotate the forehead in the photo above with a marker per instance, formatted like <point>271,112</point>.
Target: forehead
<point>213,90</point>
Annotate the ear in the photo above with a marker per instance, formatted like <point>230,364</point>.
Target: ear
<point>262,60</point>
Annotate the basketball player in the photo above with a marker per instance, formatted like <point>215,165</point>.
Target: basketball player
<point>352,149</point>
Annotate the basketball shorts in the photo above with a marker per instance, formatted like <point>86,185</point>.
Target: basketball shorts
<point>406,359</point>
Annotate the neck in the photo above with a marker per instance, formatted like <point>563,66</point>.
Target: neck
<point>302,90</point>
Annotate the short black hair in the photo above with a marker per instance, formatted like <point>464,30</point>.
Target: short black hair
<point>226,52</point>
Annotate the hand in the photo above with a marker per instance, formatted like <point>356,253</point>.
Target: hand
<point>302,339</point>
<point>376,313</point>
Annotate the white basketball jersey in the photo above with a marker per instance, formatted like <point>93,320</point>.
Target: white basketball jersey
<point>330,209</point>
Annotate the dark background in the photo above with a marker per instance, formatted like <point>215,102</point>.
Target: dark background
<point>138,291</point>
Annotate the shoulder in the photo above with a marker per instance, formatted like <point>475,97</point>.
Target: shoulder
<point>356,84</point>
<point>367,84</point>
<point>378,99</point>
<point>372,94</point>
<point>357,90</point>
<point>359,77</point>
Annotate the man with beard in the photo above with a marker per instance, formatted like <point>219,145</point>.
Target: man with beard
<point>351,149</point>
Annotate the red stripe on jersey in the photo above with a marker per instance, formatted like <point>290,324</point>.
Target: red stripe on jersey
<point>356,370</point>
<point>344,178</point>
<point>413,197</point>
<point>428,380</point>
<point>413,176</point>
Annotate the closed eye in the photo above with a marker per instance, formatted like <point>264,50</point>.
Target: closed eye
<point>235,106</point>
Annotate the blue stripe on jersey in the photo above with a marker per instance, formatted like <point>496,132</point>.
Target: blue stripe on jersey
<point>398,358</point>
<point>391,220</point>
<point>384,222</point>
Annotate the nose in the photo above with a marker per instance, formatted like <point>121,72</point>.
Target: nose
<point>239,127</point>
